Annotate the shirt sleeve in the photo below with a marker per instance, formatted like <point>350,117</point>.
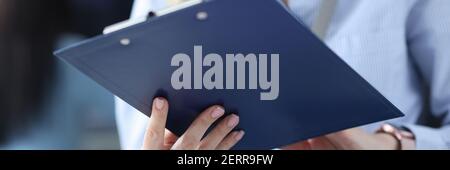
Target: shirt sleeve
<point>131,124</point>
<point>428,32</point>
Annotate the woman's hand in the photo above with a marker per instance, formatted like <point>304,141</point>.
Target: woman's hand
<point>352,139</point>
<point>158,137</point>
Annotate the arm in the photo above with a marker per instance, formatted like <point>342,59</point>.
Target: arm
<point>428,38</point>
<point>429,44</point>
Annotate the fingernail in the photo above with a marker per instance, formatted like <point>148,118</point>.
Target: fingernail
<point>217,112</point>
<point>239,135</point>
<point>159,104</point>
<point>233,121</point>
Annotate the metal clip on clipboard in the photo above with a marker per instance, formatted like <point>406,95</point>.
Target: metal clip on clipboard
<point>124,24</point>
<point>319,27</point>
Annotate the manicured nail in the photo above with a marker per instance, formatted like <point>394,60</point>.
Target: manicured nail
<point>239,135</point>
<point>233,121</point>
<point>159,103</point>
<point>217,112</point>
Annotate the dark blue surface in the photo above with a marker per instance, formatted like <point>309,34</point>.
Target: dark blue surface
<point>319,93</point>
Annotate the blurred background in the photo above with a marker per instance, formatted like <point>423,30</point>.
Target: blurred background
<point>44,103</point>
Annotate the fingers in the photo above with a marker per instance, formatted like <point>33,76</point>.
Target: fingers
<point>321,143</point>
<point>154,136</point>
<point>158,137</point>
<point>191,138</point>
<point>345,134</point>
<point>347,138</point>
<point>212,140</point>
<point>303,145</point>
<point>327,142</point>
<point>231,140</point>
<point>169,139</point>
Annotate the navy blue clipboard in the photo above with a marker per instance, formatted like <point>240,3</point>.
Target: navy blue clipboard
<point>318,92</point>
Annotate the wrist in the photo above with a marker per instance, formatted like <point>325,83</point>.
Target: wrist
<point>404,140</point>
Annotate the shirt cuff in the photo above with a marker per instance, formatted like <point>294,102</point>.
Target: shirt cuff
<point>427,138</point>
